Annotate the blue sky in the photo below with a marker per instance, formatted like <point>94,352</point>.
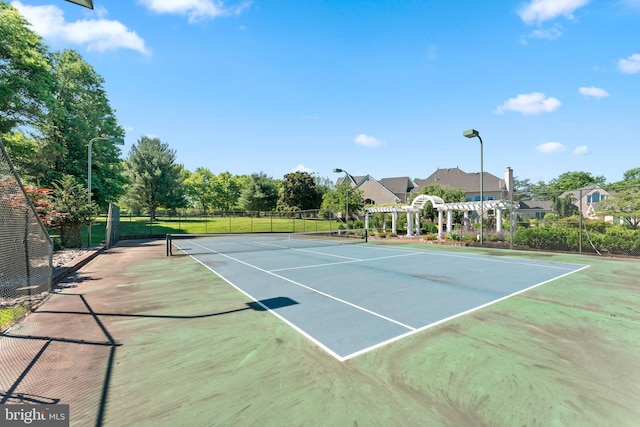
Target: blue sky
<point>375,87</point>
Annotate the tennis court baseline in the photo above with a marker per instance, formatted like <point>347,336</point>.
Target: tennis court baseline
<point>350,299</point>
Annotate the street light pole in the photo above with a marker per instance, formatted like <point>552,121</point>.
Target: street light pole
<point>472,133</point>
<point>346,186</point>
<point>113,140</point>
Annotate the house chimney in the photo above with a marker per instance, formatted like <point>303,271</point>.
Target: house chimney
<point>508,178</point>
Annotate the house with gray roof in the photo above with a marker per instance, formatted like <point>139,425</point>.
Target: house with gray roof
<point>534,209</point>
<point>401,187</point>
<point>587,199</point>
<point>374,193</point>
<point>494,188</point>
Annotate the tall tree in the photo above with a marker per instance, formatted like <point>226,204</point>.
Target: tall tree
<point>539,191</point>
<point>82,113</point>
<point>227,189</point>
<point>298,192</point>
<point>623,204</point>
<point>564,206</point>
<point>260,193</point>
<point>522,189</point>
<point>25,72</point>
<point>72,210</point>
<point>323,184</point>
<point>630,180</point>
<point>575,180</point>
<point>632,175</point>
<point>155,178</point>
<point>200,188</point>
<point>334,200</point>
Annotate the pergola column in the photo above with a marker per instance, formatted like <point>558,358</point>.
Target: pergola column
<point>409,223</point>
<point>449,221</point>
<point>499,220</point>
<point>440,219</point>
<point>394,221</point>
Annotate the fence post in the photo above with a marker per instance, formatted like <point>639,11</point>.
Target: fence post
<point>580,224</point>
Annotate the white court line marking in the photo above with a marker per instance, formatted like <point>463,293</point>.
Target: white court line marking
<point>326,254</point>
<point>373,313</point>
<point>488,258</point>
<point>436,323</point>
<point>353,261</point>
<point>284,319</point>
<point>398,337</point>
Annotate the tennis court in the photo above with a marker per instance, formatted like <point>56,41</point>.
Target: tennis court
<point>139,338</point>
<point>348,298</point>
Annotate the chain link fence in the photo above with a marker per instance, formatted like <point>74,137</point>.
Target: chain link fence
<point>26,249</point>
<point>112,233</point>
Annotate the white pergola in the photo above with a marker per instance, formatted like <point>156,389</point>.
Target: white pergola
<point>413,212</point>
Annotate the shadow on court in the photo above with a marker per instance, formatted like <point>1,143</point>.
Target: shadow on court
<point>65,352</point>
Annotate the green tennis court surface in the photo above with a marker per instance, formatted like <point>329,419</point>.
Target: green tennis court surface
<point>137,338</point>
<point>349,299</point>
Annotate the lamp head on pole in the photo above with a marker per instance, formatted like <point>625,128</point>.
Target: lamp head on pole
<point>117,141</point>
<point>85,3</point>
<point>338,170</point>
<point>471,133</point>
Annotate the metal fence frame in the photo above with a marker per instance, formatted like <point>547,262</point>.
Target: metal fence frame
<point>26,249</point>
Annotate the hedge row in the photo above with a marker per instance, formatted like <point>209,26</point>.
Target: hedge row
<point>615,240</point>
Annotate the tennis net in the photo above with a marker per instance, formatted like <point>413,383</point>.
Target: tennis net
<point>192,244</point>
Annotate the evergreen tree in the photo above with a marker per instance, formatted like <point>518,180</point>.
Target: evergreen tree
<point>260,193</point>
<point>155,179</point>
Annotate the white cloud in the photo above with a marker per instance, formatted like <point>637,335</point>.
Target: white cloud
<point>550,34</point>
<point>302,168</point>
<point>551,147</point>
<point>196,10</point>
<point>630,65</point>
<point>539,11</point>
<point>366,140</point>
<point>594,92</point>
<point>583,149</point>
<point>530,104</point>
<point>95,34</point>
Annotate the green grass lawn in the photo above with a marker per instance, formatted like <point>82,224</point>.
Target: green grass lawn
<point>142,227</point>
<point>8,316</point>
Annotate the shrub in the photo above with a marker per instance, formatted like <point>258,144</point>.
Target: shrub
<point>548,237</point>
<point>453,236</point>
<point>620,240</point>
<point>429,227</point>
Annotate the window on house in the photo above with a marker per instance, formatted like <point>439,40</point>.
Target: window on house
<point>595,197</point>
<point>491,198</point>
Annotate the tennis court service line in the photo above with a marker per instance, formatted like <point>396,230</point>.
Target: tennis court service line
<point>373,313</point>
<point>352,261</point>
<point>490,258</point>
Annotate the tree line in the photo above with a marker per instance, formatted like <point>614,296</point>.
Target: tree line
<point>52,103</point>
